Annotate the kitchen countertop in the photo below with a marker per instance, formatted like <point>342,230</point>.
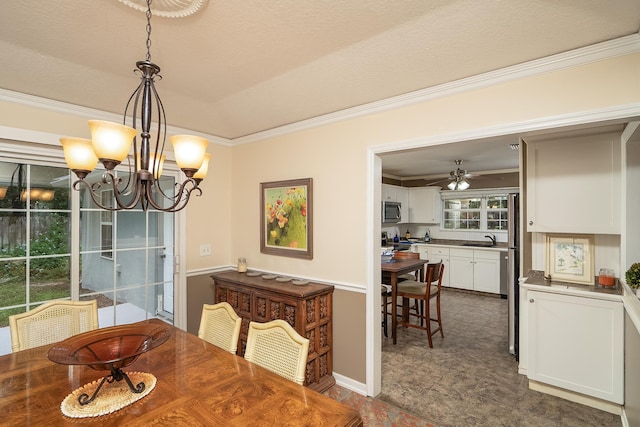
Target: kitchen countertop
<point>535,281</point>
<point>446,242</point>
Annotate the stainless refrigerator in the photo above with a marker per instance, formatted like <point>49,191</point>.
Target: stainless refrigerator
<point>513,270</point>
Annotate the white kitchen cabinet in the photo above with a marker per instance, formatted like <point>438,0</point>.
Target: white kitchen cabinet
<point>402,195</point>
<point>435,254</point>
<point>573,184</point>
<point>576,343</point>
<point>396,193</point>
<point>475,269</point>
<point>486,271</point>
<point>389,193</point>
<point>461,268</point>
<point>438,253</point>
<point>424,205</point>
<point>423,250</point>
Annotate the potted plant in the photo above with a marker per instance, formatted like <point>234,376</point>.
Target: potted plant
<point>633,276</point>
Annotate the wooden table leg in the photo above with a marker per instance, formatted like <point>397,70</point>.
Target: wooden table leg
<point>394,298</point>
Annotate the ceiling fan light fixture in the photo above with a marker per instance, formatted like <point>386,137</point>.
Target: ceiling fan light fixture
<point>458,178</point>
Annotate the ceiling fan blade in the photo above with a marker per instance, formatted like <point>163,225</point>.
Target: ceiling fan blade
<point>440,181</point>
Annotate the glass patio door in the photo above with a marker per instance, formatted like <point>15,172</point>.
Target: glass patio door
<point>126,258</point>
<point>56,244</point>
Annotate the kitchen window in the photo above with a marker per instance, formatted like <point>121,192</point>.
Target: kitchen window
<point>476,212</point>
<point>462,214</point>
<point>497,213</point>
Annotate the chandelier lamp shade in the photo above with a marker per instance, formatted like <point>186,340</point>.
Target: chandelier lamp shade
<point>113,143</point>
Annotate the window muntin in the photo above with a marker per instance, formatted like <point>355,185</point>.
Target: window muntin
<point>106,225</point>
<point>35,238</point>
<point>462,214</point>
<point>497,216</point>
<point>482,213</point>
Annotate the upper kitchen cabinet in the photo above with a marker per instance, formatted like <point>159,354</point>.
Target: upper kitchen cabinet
<point>573,183</point>
<point>424,205</point>
<point>396,193</point>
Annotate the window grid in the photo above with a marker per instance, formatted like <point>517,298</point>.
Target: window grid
<point>481,213</point>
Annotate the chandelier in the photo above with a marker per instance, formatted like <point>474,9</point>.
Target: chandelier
<point>458,178</point>
<point>111,143</point>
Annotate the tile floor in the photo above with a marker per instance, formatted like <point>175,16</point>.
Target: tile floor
<point>469,378</point>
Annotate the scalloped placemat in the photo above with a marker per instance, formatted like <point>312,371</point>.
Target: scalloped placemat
<point>110,398</point>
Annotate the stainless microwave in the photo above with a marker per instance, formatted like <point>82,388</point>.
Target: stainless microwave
<point>391,212</point>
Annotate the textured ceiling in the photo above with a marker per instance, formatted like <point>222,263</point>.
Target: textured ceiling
<point>236,68</point>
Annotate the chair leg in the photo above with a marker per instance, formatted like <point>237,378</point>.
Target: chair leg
<point>427,319</point>
<point>384,314</point>
<point>439,318</point>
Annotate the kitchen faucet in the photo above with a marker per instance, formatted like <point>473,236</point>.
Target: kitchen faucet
<point>493,239</point>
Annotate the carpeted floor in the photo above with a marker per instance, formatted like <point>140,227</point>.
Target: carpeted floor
<point>469,378</point>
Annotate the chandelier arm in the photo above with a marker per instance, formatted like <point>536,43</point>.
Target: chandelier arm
<point>156,183</point>
<point>180,200</point>
<point>134,201</point>
<point>162,122</point>
<point>135,97</point>
<point>108,179</point>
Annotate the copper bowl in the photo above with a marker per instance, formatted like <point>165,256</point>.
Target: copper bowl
<point>111,348</point>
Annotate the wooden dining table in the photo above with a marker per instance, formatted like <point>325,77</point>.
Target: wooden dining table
<point>391,270</point>
<point>198,384</point>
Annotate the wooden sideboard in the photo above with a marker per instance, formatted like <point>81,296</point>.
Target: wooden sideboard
<point>308,308</point>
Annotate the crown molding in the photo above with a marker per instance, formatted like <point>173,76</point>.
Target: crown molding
<point>601,115</point>
<point>597,52</point>
<point>91,113</point>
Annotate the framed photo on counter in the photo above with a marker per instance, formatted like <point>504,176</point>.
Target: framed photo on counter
<point>286,224</point>
<point>569,258</point>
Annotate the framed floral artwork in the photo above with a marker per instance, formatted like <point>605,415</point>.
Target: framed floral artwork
<point>570,258</point>
<point>286,224</point>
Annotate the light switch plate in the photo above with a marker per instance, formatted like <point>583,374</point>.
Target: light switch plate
<point>205,250</point>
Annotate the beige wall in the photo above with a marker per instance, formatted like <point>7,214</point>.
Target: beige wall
<point>335,156</point>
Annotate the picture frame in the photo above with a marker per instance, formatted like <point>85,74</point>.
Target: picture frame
<point>286,218</point>
<point>570,258</point>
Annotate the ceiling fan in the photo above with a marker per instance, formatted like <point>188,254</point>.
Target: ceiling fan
<point>458,179</point>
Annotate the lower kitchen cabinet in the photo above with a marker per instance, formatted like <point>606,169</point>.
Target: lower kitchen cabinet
<point>486,271</point>
<point>475,269</point>
<point>461,268</point>
<point>435,254</point>
<point>576,343</point>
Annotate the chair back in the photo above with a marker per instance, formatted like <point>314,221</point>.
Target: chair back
<point>406,255</point>
<point>276,346</point>
<point>52,322</point>
<point>220,325</point>
<point>433,275</point>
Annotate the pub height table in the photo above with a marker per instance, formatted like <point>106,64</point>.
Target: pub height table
<point>391,270</point>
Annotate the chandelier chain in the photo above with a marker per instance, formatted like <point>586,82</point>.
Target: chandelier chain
<point>149,30</point>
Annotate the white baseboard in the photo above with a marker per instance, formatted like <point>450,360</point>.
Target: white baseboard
<point>582,399</point>
<point>350,384</point>
<point>623,418</point>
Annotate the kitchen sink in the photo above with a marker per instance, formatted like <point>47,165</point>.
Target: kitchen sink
<point>478,244</point>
